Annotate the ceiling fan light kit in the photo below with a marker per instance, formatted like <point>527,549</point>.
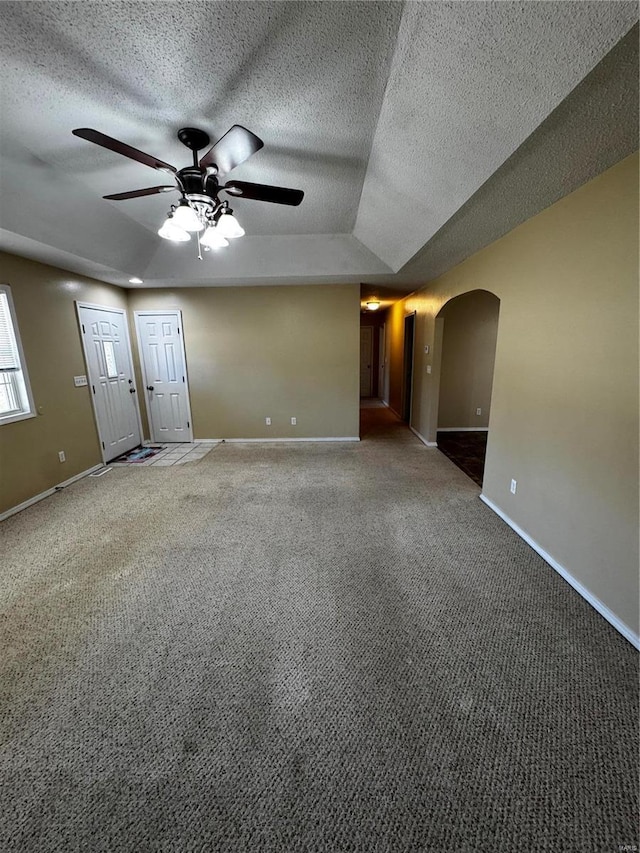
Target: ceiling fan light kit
<point>200,209</point>
<point>212,239</point>
<point>185,217</point>
<point>170,231</point>
<point>373,304</point>
<point>228,226</point>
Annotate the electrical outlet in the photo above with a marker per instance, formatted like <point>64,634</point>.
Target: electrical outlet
<point>267,421</point>
<point>294,421</point>
<point>513,487</point>
<point>478,411</point>
<point>61,456</point>
<point>428,368</point>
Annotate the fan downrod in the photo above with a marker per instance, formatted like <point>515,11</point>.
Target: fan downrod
<point>193,138</point>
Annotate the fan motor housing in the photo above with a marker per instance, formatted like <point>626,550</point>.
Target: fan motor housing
<point>191,179</point>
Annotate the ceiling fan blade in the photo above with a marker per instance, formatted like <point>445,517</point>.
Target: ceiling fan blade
<point>121,148</point>
<point>263,192</point>
<point>136,193</point>
<point>236,146</point>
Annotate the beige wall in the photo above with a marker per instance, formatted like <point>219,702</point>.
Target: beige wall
<point>468,355</point>
<point>564,418</point>
<point>254,352</point>
<point>395,353</point>
<point>44,301</point>
<point>251,353</point>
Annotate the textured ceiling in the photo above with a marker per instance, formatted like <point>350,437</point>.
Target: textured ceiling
<point>592,130</point>
<point>389,116</point>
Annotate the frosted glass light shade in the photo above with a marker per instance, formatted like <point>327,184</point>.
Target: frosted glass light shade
<point>171,231</point>
<point>373,305</point>
<point>185,217</point>
<point>229,227</point>
<point>213,239</point>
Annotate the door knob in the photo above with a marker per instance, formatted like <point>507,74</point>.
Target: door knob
<point>132,390</point>
<point>149,387</point>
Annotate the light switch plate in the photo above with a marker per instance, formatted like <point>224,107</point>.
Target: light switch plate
<point>79,381</point>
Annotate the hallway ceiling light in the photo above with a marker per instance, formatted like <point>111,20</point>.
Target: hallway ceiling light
<point>135,280</point>
<point>373,304</point>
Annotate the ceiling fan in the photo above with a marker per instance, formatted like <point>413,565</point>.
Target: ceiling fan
<point>200,209</point>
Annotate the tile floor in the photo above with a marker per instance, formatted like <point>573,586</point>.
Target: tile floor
<point>172,454</point>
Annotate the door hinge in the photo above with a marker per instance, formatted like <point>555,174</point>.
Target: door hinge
<point>83,330</point>
<point>188,425</point>
<point>94,388</point>
<point>178,329</point>
<point>183,378</point>
<point>103,445</point>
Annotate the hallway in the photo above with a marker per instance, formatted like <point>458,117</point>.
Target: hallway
<point>379,423</point>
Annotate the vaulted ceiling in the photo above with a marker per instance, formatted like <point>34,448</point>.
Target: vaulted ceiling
<point>419,131</point>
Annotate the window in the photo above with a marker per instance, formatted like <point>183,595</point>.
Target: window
<point>16,402</point>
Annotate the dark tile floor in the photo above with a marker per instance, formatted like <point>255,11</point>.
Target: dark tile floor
<point>466,450</point>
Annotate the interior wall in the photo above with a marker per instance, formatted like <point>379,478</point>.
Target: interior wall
<point>468,355</point>
<point>44,299</point>
<point>564,418</point>
<point>395,346</point>
<point>278,352</point>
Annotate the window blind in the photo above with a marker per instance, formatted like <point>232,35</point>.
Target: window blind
<point>9,358</point>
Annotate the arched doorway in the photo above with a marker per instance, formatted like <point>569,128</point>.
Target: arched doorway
<point>468,347</point>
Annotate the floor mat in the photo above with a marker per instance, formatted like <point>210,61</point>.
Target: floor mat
<point>140,454</point>
<point>467,450</point>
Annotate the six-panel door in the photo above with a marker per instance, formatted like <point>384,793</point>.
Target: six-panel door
<point>162,353</point>
<point>108,356</point>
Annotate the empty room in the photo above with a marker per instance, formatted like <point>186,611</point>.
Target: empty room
<point>319,392</point>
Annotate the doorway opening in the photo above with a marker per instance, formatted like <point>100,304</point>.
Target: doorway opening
<point>407,366</point>
<point>468,349</point>
<point>366,361</point>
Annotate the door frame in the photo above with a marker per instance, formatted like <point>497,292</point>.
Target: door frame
<point>408,366</point>
<point>127,338</point>
<point>382,361</point>
<point>149,312</point>
<point>371,352</point>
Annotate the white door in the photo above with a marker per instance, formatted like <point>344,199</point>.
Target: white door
<point>366,357</point>
<point>110,374</point>
<point>161,346</point>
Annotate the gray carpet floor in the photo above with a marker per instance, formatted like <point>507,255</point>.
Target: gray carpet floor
<point>303,647</point>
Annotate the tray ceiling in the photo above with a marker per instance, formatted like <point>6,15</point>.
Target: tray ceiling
<point>389,116</point>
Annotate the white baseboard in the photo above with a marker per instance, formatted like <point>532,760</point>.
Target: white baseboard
<point>598,605</point>
<point>422,438</point>
<point>36,498</point>
<point>463,429</point>
<point>273,440</point>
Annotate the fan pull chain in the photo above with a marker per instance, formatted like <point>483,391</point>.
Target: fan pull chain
<point>199,249</point>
